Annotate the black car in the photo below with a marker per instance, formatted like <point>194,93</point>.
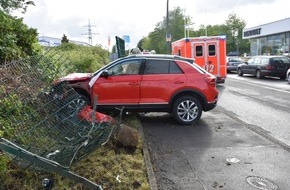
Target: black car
<point>261,66</point>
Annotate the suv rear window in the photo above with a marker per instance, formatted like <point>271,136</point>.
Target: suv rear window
<point>161,67</point>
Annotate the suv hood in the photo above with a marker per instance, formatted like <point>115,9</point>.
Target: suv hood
<point>77,76</point>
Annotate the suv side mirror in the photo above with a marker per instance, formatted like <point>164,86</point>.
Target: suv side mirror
<point>105,74</point>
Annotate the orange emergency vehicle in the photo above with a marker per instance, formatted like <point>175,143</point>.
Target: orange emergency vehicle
<point>208,51</point>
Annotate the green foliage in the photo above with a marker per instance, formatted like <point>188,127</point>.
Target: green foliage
<point>232,25</point>
<point>156,39</point>
<point>16,39</point>
<point>10,107</point>
<point>10,5</point>
<point>83,58</point>
<point>236,24</point>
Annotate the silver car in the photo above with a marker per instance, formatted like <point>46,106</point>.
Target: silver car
<point>232,63</point>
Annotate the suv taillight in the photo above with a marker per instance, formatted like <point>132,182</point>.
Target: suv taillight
<point>210,80</point>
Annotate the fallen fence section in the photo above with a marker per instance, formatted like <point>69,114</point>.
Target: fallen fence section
<point>46,128</point>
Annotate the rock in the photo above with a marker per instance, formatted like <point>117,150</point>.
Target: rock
<point>136,184</point>
<point>127,136</point>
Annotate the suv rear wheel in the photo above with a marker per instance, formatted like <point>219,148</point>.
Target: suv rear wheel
<point>187,110</point>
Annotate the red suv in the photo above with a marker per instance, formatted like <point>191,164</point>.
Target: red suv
<point>150,83</point>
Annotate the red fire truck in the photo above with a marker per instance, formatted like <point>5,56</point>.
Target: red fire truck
<point>208,51</point>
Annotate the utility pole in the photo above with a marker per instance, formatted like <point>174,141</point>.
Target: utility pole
<point>168,35</point>
<point>90,34</point>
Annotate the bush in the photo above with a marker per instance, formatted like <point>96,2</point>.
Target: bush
<point>84,58</point>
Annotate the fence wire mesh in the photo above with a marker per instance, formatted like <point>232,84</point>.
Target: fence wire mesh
<point>44,118</point>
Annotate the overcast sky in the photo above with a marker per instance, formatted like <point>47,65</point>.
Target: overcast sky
<point>137,18</point>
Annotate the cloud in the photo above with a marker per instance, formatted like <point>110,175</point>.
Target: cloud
<point>137,18</point>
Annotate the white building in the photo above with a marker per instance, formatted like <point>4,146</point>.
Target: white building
<point>269,39</point>
<point>51,41</point>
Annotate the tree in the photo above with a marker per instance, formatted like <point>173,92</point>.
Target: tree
<point>10,5</point>
<point>64,39</point>
<point>234,26</point>
<point>210,30</point>
<point>16,39</point>
<point>156,40</point>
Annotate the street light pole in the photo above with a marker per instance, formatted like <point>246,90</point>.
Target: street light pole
<point>167,15</point>
<point>168,36</point>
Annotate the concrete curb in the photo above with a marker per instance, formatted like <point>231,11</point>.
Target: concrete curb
<point>150,172</point>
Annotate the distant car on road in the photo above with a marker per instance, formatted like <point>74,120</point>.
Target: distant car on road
<point>232,63</point>
<point>263,65</point>
<point>288,75</point>
<point>233,53</point>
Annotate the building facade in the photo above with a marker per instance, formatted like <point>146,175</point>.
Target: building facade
<point>269,39</point>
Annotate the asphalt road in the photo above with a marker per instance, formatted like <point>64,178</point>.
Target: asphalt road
<point>243,144</point>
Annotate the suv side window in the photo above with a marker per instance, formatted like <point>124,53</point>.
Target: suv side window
<point>156,67</point>
<point>162,67</point>
<point>174,68</point>
<point>131,67</point>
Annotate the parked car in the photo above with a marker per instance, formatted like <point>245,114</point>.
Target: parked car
<point>149,83</point>
<point>288,75</point>
<point>232,63</point>
<point>233,53</point>
<point>261,66</point>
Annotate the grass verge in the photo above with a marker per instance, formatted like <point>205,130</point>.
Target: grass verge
<point>110,166</point>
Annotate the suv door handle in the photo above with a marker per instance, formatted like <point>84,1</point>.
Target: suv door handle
<point>178,82</point>
<point>134,83</point>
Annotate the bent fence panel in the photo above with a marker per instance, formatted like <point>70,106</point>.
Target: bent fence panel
<point>43,122</point>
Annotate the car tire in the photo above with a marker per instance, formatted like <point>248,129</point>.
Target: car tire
<point>288,78</point>
<point>259,74</point>
<point>240,73</point>
<point>70,106</point>
<point>187,110</point>
<point>78,103</point>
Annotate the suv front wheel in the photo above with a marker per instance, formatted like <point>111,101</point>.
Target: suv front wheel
<point>187,110</point>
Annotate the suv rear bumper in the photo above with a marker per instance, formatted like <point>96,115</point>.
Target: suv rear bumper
<point>210,106</point>
<point>221,80</point>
